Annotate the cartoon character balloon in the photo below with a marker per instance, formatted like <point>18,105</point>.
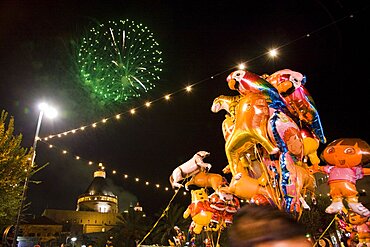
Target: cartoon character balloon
<point>206,180</point>
<point>246,82</point>
<point>189,168</point>
<point>199,210</point>
<point>344,158</point>
<point>225,205</point>
<point>290,85</point>
<point>360,228</point>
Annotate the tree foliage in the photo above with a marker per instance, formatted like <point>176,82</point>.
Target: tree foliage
<point>316,220</point>
<point>165,228</point>
<point>132,227</point>
<point>14,162</point>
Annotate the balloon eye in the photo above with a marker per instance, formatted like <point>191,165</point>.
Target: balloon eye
<point>330,150</point>
<point>349,151</point>
<point>238,74</point>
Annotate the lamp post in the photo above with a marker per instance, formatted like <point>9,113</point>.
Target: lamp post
<point>73,240</point>
<point>51,113</point>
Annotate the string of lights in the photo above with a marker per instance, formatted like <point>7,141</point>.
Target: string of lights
<point>118,116</point>
<point>103,166</point>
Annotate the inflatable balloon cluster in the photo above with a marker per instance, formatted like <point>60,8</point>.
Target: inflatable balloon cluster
<point>274,127</point>
<point>272,132</point>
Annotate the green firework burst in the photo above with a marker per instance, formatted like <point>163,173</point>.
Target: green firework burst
<point>118,61</point>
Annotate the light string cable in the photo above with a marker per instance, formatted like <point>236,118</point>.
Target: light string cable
<point>189,87</point>
<point>103,166</point>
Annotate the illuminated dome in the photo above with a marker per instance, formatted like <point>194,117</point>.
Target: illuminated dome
<point>98,197</point>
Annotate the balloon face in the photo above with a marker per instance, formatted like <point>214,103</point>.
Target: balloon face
<point>356,219</point>
<point>342,154</point>
<point>286,81</point>
<point>286,134</point>
<point>199,195</point>
<point>294,141</point>
<point>234,78</point>
<point>287,75</point>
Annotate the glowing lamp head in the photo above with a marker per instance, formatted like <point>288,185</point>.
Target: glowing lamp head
<point>241,66</point>
<point>49,111</point>
<point>273,53</point>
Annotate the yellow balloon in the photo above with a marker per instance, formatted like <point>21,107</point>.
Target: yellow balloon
<point>310,146</point>
<point>199,210</point>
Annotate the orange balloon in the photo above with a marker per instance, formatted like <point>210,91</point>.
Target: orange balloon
<point>248,121</point>
<point>243,186</point>
<point>290,85</point>
<point>345,158</point>
<point>199,210</point>
<point>206,180</point>
<point>260,199</point>
<point>250,127</point>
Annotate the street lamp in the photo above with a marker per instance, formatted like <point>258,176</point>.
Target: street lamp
<point>73,240</point>
<point>51,113</point>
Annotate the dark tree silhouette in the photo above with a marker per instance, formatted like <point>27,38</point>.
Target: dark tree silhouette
<point>132,227</point>
<point>172,217</point>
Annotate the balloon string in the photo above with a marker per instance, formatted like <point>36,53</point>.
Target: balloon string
<point>162,215</point>
<point>209,236</point>
<point>274,196</point>
<point>301,209</point>
<point>218,237</point>
<point>327,228</point>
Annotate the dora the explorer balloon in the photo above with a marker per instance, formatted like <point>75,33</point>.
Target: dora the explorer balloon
<point>344,158</point>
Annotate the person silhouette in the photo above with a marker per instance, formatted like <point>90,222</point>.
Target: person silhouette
<point>265,225</point>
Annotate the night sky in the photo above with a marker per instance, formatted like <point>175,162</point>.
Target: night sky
<point>202,41</point>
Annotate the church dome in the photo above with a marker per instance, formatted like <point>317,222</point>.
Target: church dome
<point>98,196</point>
<point>99,185</point>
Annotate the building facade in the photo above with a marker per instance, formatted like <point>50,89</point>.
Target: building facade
<point>96,212</point>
